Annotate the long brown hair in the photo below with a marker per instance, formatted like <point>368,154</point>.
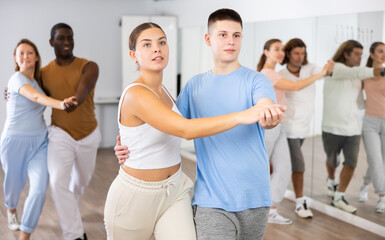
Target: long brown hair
<point>373,47</point>
<point>290,45</point>
<point>346,47</point>
<point>262,59</point>
<point>37,64</point>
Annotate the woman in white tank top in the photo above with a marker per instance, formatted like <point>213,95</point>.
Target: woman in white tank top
<point>150,196</point>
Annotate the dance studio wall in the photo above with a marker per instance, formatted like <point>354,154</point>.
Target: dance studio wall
<point>98,33</point>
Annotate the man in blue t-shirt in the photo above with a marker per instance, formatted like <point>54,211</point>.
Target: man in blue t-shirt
<point>232,187</point>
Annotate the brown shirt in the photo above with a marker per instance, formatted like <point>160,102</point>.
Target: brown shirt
<point>61,82</point>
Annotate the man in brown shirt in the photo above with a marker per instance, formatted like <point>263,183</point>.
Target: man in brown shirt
<point>73,137</point>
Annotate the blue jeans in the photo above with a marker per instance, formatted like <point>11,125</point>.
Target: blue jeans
<point>22,157</point>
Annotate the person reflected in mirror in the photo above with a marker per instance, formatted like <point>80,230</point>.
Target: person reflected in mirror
<point>150,196</point>
<point>300,109</point>
<point>276,140</point>
<point>373,129</point>
<point>341,125</point>
<point>24,139</point>
<point>73,138</point>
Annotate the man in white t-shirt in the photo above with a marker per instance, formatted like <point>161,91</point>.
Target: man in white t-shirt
<point>300,108</point>
<point>342,120</point>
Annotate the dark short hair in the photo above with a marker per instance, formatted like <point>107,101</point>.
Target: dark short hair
<point>290,45</point>
<point>57,26</point>
<point>346,47</point>
<point>224,14</point>
<point>137,31</point>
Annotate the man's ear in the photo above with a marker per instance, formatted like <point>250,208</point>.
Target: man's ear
<point>346,55</point>
<point>51,42</point>
<point>132,55</point>
<point>207,39</point>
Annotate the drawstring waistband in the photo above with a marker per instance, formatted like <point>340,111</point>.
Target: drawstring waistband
<point>143,186</point>
<point>167,186</point>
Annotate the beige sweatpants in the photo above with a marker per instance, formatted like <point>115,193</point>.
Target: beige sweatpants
<point>136,210</point>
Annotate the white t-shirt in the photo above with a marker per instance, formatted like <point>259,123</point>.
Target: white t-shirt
<point>300,104</point>
<point>343,100</point>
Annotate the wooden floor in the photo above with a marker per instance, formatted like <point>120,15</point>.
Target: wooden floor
<point>92,205</point>
<point>315,180</point>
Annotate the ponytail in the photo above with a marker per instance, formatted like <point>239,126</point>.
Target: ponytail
<point>262,60</point>
<point>261,63</point>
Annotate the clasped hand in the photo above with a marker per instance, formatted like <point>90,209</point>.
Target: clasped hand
<point>70,104</point>
<point>270,114</point>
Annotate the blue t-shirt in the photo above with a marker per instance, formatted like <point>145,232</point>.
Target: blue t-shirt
<point>233,166</point>
<point>24,117</point>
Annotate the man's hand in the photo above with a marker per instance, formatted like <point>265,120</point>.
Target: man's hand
<point>70,104</point>
<point>271,115</point>
<point>121,152</point>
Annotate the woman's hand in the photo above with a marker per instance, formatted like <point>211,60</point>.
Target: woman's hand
<point>69,104</point>
<point>6,94</point>
<point>328,68</point>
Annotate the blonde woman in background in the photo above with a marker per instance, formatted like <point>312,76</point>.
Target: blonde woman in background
<point>24,139</point>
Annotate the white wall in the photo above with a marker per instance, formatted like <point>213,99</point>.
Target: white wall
<point>97,32</point>
<point>97,37</point>
<point>195,12</point>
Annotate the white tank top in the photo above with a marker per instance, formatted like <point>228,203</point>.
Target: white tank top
<point>149,147</point>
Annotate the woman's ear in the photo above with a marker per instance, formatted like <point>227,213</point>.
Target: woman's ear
<point>266,52</point>
<point>132,55</point>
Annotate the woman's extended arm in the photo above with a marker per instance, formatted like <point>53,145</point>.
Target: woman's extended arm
<point>32,94</point>
<point>289,85</point>
<point>144,105</point>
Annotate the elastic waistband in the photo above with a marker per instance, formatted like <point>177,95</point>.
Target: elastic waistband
<point>144,186</point>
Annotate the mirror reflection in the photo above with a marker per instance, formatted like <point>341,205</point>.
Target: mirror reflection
<point>329,131</point>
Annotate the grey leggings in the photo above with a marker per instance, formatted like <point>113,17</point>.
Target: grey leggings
<point>373,135</point>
